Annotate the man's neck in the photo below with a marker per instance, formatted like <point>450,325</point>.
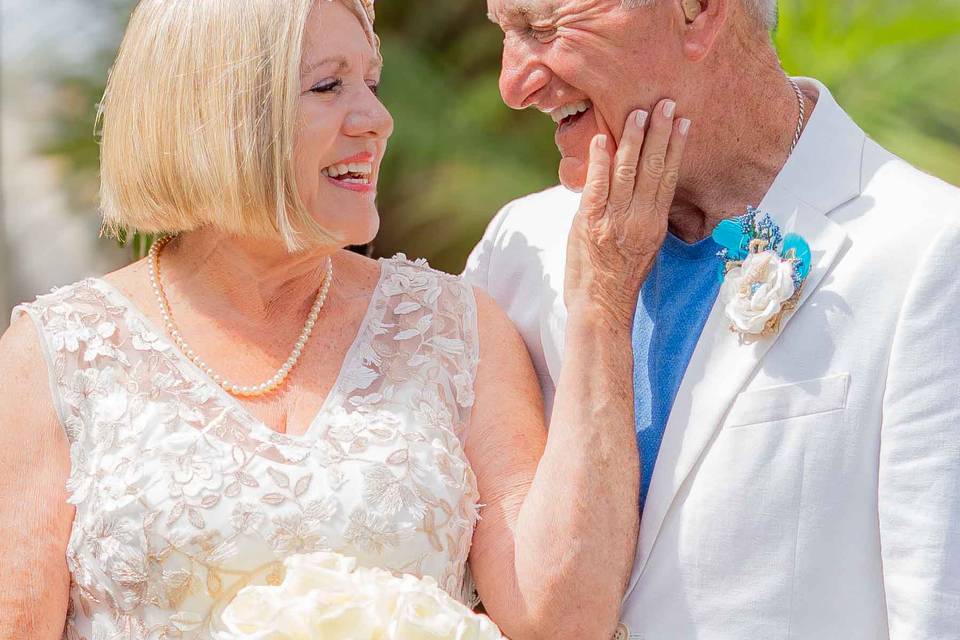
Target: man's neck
<point>745,135</point>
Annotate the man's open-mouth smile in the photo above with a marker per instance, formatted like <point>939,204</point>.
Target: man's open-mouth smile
<point>569,114</point>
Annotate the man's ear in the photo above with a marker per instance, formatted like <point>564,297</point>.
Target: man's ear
<point>703,19</point>
<point>691,9</point>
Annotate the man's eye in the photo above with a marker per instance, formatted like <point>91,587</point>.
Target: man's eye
<point>327,86</point>
<point>543,34</point>
<point>374,88</point>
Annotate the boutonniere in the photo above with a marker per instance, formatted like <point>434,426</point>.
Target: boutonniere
<point>762,273</point>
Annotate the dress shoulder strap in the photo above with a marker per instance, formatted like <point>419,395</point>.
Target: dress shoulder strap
<point>74,324</point>
<point>421,347</point>
<point>85,337</point>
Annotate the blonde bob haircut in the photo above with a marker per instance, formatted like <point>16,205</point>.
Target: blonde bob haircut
<point>199,119</point>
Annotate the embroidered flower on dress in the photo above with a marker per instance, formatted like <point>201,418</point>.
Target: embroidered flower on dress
<point>71,335</point>
<point>297,534</point>
<point>246,516</point>
<point>387,491</point>
<point>143,339</point>
<point>182,498</point>
<point>464,383</point>
<point>371,532</point>
<point>192,470</point>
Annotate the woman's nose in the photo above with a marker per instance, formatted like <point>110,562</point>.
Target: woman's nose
<point>371,120</point>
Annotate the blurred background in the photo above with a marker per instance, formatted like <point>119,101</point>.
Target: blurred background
<point>458,154</point>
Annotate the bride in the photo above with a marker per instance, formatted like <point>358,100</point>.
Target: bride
<point>171,432</point>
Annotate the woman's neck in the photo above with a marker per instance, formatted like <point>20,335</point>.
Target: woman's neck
<point>259,280</point>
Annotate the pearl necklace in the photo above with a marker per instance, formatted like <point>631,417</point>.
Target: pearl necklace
<point>270,385</point>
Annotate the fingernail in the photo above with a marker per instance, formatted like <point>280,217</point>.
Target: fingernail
<point>641,118</point>
<point>602,142</point>
<point>669,107</point>
<point>684,126</point>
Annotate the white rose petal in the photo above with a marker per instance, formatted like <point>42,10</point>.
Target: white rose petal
<point>254,613</point>
<point>755,292</point>
<point>325,595</point>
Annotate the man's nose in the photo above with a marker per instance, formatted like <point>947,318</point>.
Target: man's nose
<point>522,74</point>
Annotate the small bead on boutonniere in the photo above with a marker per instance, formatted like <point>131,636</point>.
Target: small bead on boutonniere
<point>762,273</point>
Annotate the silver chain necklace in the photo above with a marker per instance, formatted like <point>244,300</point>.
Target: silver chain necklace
<point>803,112</point>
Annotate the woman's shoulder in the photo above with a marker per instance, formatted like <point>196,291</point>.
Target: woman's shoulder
<point>20,346</point>
<point>71,326</point>
<point>402,276</point>
<point>418,278</point>
<point>79,296</point>
<point>421,265</point>
<point>24,391</point>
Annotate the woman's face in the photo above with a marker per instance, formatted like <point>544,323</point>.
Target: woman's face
<point>343,127</point>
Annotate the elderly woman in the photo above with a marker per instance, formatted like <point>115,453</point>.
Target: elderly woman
<point>172,431</point>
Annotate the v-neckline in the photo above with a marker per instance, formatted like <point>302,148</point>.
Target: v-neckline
<point>200,376</point>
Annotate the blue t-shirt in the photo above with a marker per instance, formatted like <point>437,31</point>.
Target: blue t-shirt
<point>674,304</point>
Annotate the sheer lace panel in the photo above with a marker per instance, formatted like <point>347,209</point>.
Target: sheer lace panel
<point>183,497</point>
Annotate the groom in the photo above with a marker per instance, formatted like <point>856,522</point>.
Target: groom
<point>801,478</point>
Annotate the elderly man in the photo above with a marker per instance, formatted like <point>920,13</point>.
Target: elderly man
<point>799,424</point>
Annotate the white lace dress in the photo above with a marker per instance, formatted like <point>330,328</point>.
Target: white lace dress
<point>183,497</point>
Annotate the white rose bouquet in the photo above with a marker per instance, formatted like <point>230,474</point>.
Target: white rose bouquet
<point>325,596</point>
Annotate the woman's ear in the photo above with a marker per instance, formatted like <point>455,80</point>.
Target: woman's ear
<point>703,18</point>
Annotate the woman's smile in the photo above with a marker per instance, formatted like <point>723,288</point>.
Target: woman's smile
<point>355,173</point>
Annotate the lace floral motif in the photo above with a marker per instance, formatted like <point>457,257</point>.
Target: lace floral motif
<point>183,498</point>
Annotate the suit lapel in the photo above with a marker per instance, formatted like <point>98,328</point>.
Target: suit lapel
<point>822,174</point>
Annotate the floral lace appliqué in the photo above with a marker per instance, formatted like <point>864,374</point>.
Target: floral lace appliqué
<point>183,498</point>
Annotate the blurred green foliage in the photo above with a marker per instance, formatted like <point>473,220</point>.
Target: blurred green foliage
<point>893,65</point>
<point>458,153</point>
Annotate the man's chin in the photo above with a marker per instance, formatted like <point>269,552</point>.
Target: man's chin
<point>573,173</point>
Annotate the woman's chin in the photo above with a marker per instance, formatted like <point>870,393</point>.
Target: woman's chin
<point>360,230</point>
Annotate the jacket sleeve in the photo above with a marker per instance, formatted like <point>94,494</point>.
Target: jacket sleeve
<point>919,478</point>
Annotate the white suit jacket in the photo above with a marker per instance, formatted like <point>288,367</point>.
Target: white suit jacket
<point>808,485</point>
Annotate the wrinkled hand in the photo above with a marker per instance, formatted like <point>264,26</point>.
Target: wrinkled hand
<point>622,220</point>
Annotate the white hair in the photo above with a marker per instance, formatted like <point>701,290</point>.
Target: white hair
<point>763,11</point>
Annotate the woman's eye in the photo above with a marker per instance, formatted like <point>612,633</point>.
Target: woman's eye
<point>374,88</point>
<point>327,86</point>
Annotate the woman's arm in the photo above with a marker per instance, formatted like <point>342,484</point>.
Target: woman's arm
<point>555,546</point>
<point>552,552</point>
<point>35,518</point>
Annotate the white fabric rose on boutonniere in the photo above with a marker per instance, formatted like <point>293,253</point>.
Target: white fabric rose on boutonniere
<point>756,291</point>
<point>763,274</point>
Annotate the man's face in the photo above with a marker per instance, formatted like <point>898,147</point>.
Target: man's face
<point>587,63</point>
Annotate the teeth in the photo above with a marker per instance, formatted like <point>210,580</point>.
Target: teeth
<point>567,110</point>
<point>336,170</point>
